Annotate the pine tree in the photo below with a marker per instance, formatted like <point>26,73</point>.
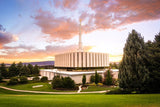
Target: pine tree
<point>133,73</point>
<point>108,80</point>
<point>84,79</point>
<point>19,68</point>
<point>36,70</point>
<point>96,77</point>
<point>3,70</point>
<point>30,66</point>
<point>13,70</point>
<point>153,51</point>
<point>25,71</point>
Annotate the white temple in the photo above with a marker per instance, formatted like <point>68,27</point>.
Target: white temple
<point>80,62</point>
<point>81,59</point>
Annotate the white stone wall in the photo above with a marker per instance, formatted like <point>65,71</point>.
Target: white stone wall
<point>82,59</point>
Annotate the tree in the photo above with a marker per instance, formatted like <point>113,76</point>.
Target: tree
<point>57,82</point>
<point>3,70</point>
<point>133,72</point>
<point>1,77</point>
<point>36,79</point>
<point>25,71</point>
<point>44,79</point>
<point>13,70</point>
<point>96,77</point>
<point>68,83</point>
<point>23,80</point>
<point>30,66</point>
<point>153,51</point>
<point>13,81</point>
<point>92,78</point>
<point>36,70</point>
<point>84,79</point>
<point>108,77</point>
<point>19,68</point>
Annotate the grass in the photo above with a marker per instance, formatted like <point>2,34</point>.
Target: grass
<point>82,100</point>
<point>46,87</point>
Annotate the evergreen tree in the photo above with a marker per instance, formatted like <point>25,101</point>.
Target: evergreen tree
<point>30,66</point>
<point>153,51</point>
<point>13,70</point>
<point>36,70</point>
<point>3,70</point>
<point>133,73</point>
<point>0,77</point>
<point>108,77</point>
<point>19,68</point>
<point>25,71</point>
<point>84,79</point>
<point>96,77</point>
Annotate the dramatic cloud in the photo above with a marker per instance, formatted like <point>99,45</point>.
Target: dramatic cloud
<point>49,51</point>
<point>69,4</point>
<point>6,37</point>
<point>114,13</point>
<point>58,28</point>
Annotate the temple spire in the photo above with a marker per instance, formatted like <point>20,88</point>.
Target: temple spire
<point>80,37</point>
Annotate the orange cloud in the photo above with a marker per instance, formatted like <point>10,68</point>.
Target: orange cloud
<point>58,28</point>
<point>69,4</point>
<point>111,14</point>
<point>32,54</point>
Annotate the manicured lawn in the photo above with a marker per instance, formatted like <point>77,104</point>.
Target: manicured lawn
<point>45,87</point>
<point>98,88</point>
<point>82,100</point>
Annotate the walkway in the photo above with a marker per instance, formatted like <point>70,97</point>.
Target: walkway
<point>43,92</point>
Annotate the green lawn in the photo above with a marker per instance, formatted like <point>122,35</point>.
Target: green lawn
<point>82,100</point>
<point>98,88</point>
<point>46,87</point>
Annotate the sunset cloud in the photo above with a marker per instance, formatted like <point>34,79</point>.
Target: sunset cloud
<point>69,4</point>
<point>58,28</point>
<point>5,38</point>
<point>114,13</point>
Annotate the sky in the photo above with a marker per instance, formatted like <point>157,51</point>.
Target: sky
<point>37,30</point>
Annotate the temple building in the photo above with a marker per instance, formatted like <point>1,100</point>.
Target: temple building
<point>76,64</point>
<point>81,59</point>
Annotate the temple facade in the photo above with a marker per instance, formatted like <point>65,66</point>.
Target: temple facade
<point>82,60</point>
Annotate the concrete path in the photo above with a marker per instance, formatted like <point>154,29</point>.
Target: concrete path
<point>43,92</point>
<point>80,88</point>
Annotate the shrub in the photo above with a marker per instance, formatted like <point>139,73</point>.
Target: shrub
<point>68,83</point>
<point>13,81</point>
<point>63,83</point>
<point>36,79</point>
<point>23,79</point>
<point>44,79</point>
<point>57,82</point>
<point>92,78</point>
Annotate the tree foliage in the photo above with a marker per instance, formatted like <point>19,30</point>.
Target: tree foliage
<point>23,80</point>
<point>133,72</point>
<point>3,70</point>
<point>13,70</point>
<point>44,79</point>
<point>84,79</point>
<point>63,83</point>
<point>96,77</point>
<point>92,78</point>
<point>153,64</point>
<point>108,77</point>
